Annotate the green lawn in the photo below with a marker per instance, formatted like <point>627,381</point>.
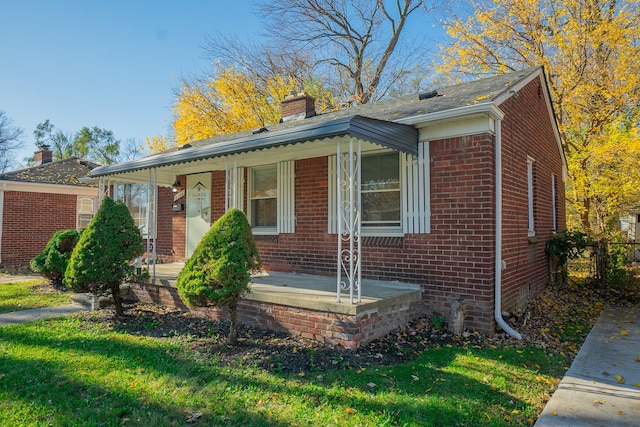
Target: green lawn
<point>30,294</point>
<point>65,372</point>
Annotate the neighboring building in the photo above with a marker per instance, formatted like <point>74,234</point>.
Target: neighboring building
<point>458,191</point>
<point>38,201</point>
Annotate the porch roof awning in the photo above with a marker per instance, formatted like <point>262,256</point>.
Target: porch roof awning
<point>399,137</point>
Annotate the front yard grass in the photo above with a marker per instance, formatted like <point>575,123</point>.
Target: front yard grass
<point>68,372</point>
<point>30,294</point>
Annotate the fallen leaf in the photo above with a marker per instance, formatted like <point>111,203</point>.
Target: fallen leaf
<point>194,417</point>
<point>624,333</point>
<point>554,413</point>
<point>351,411</point>
<point>415,378</point>
<point>620,379</point>
<point>621,413</point>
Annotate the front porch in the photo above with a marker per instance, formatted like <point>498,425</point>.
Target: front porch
<point>304,305</point>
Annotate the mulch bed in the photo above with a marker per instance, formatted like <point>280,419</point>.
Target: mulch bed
<point>544,325</point>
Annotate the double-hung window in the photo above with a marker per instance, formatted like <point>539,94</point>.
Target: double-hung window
<point>85,211</point>
<point>380,191</point>
<point>394,193</point>
<point>271,201</point>
<point>264,198</point>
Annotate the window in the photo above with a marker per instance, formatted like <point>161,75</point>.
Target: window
<point>271,198</point>
<point>137,197</point>
<point>380,190</point>
<point>264,198</point>
<point>530,188</point>
<point>85,212</point>
<point>394,193</point>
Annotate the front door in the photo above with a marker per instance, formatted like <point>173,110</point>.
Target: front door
<point>198,209</point>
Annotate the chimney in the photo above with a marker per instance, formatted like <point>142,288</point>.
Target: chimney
<point>43,155</point>
<point>297,106</point>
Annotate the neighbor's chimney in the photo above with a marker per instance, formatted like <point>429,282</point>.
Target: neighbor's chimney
<point>297,106</point>
<point>43,155</point>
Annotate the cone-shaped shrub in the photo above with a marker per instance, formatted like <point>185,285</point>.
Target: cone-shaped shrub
<point>102,258</point>
<point>52,261</point>
<point>218,272</point>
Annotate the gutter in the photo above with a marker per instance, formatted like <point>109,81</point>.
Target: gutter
<point>499,265</point>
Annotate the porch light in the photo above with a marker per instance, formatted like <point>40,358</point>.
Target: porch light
<point>175,186</point>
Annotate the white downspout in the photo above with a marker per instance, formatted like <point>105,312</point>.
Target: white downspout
<point>497,313</point>
<point>2,190</point>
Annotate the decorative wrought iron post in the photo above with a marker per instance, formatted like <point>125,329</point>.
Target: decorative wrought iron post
<point>349,219</point>
<point>231,179</point>
<point>103,190</point>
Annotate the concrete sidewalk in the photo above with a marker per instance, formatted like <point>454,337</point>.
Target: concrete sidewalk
<point>34,314</point>
<point>602,387</point>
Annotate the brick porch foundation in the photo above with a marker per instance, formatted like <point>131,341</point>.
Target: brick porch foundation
<point>347,330</point>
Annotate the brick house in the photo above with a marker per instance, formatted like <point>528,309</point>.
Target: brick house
<point>38,201</point>
<point>453,191</point>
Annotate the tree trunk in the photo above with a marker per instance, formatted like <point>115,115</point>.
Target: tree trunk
<point>117,299</point>
<point>233,328</point>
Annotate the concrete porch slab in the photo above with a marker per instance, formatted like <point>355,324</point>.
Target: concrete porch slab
<point>311,291</point>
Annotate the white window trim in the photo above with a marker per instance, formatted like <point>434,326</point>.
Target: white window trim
<point>81,203</point>
<point>531,224</point>
<point>414,193</point>
<point>285,199</point>
<point>382,230</point>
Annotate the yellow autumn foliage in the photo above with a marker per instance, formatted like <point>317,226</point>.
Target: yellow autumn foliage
<point>233,102</point>
<point>590,50</point>
<point>158,144</point>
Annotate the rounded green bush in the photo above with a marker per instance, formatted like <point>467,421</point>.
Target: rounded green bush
<point>102,258</point>
<point>52,261</point>
<point>219,271</point>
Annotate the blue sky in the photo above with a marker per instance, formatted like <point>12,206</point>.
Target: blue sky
<point>113,64</point>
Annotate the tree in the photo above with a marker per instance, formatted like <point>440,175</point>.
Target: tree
<point>218,272</point>
<point>158,144</point>
<point>102,258</point>
<point>590,50</point>
<point>9,138</point>
<point>95,144</point>
<point>232,101</point>
<point>53,260</point>
<point>59,142</point>
<point>357,39</point>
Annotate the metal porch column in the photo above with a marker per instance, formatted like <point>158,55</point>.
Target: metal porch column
<point>349,219</point>
<point>230,182</point>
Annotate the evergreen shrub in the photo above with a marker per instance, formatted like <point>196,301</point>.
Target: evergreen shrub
<point>101,260</point>
<point>52,261</point>
<point>219,271</point>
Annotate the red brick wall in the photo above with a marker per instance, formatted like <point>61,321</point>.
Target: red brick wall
<point>171,236</point>
<point>350,331</point>
<point>527,131</point>
<point>455,260</point>
<point>29,220</point>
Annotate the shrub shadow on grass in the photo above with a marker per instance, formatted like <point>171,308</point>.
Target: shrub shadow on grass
<point>162,380</point>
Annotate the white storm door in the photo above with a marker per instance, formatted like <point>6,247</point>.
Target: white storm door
<point>198,209</point>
